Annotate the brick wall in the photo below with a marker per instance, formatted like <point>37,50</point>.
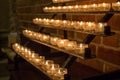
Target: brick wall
<point>106,49</point>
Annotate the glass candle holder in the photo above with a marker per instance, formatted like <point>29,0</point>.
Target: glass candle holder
<point>45,38</point>
<point>35,21</point>
<point>104,6</point>
<point>80,25</point>
<point>62,43</point>
<point>57,23</point>
<point>47,64</point>
<point>54,40</point>
<point>51,70</point>
<point>64,23</point>
<point>42,60</point>
<point>116,6</point>
<point>39,36</point>
<point>94,7</point>
<point>60,72</point>
<point>80,49</point>
<point>90,27</point>
<point>34,56</point>
<point>71,45</point>
<point>100,27</point>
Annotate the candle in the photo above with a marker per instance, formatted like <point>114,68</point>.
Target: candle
<point>104,6</point>
<point>80,49</point>
<point>33,56</point>
<point>64,23</point>
<point>57,23</point>
<point>64,9</point>
<point>62,43</point>
<point>36,61</point>
<point>80,25</point>
<point>51,70</point>
<point>45,38</point>
<point>85,8</point>
<point>54,40</point>
<point>116,6</point>
<point>42,60</point>
<point>70,9</point>
<point>94,7</point>
<point>72,24</point>
<point>52,22</point>
<point>89,27</point>
<point>46,22</point>
<point>60,72</point>
<point>39,36</point>
<point>70,45</point>
<point>100,28</point>
<point>59,8</point>
<point>75,8</point>
<point>47,64</point>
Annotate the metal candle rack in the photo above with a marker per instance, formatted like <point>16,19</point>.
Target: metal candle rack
<point>87,40</point>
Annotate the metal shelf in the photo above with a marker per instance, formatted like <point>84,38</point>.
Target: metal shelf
<point>97,34</point>
<point>78,13</point>
<point>86,55</point>
<point>36,66</point>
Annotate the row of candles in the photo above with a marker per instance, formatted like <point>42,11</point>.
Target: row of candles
<point>72,46</point>
<point>52,69</point>
<point>84,8</point>
<point>59,1</point>
<point>93,27</point>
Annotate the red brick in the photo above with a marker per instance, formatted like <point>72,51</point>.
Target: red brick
<point>83,17</point>
<point>94,63</point>
<point>112,40</point>
<point>114,22</point>
<point>109,55</point>
<point>93,49</point>
<point>71,34</point>
<point>61,32</point>
<point>51,30</point>
<point>97,39</point>
<point>81,35</point>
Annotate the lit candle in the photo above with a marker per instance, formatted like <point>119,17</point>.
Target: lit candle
<point>59,75</point>
<point>42,60</point>
<point>70,45</point>
<point>34,56</point>
<point>75,8</point>
<point>99,28</point>
<point>59,8</point>
<point>51,70</point>
<point>35,21</point>
<point>104,7</point>
<point>64,9</point>
<point>39,21</point>
<point>57,23</point>
<point>39,36</point>
<point>70,9</point>
<point>46,38</point>
<point>64,22</point>
<point>54,40</point>
<point>80,26</point>
<point>47,64</point>
<point>116,6</point>
<point>62,43</point>
<point>80,49</point>
<point>85,8</point>
<point>94,7</point>
<point>53,9</point>
<point>52,22</point>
